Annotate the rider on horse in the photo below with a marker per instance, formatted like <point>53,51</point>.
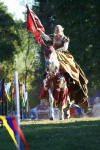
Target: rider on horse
<point>72,71</point>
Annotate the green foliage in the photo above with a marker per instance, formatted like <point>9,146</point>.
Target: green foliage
<point>18,51</point>
<point>6,71</point>
<point>9,38</point>
<point>28,64</point>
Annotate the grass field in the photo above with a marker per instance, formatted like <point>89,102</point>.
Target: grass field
<point>72,134</point>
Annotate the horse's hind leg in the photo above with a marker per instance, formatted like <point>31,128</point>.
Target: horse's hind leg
<point>51,100</point>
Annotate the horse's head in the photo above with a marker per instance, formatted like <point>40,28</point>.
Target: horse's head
<point>51,61</point>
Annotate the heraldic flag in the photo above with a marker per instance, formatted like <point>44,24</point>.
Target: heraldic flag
<point>34,25</point>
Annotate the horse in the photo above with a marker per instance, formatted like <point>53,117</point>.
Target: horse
<point>54,85</point>
<point>59,87</point>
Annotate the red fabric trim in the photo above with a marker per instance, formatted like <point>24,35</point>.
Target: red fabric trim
<point>18,129</point>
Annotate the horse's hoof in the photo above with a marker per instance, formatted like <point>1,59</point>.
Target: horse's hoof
<point>68,117</point>
<point>62,119</point>
<point>51,118</point>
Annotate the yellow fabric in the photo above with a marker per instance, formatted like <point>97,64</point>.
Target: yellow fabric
<point>68,64</point>
<point>82,74</point>
<point>10,131</point>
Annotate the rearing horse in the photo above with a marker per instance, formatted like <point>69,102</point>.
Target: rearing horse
<point>54,85</point>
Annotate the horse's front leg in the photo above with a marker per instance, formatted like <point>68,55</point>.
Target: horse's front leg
<point>51,101</point>
<point>61,113</point>
<point>68,107</point>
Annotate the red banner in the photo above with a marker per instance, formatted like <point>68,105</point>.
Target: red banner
<point>33,24</point>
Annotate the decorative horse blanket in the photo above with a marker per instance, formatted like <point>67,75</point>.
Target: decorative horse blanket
<point>59,88</point>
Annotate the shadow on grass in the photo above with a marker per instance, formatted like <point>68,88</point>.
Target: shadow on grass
<point>83,135</point>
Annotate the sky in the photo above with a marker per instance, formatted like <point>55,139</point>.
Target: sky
<point>16,7</point>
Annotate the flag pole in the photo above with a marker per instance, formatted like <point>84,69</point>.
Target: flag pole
<point>26,2</point>
<point>17,104</point>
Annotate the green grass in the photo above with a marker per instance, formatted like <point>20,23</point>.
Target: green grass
<point>67,135</point>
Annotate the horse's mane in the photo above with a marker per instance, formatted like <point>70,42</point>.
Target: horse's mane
<point>51,58</point>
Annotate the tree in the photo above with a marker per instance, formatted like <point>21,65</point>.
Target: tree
<point>9,38</point>
<point>28,64</point>
<point>19,51</point>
